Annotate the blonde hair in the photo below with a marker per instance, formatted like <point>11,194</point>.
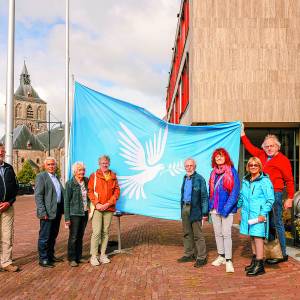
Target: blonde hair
<point>255,160</point>
<point>76,165</point>
<point>273,137</point>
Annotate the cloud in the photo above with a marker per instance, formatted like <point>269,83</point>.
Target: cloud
<point>121,48</point>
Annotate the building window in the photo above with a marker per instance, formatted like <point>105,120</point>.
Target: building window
<point>18,110</point>
<point>289,147</point>
<point>185,86</point>
<point>37,160</point>
<point>39,113</point>
<point>22,159</point>
<point>29,112</point>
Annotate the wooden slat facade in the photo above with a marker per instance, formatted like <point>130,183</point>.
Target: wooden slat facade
<point>244,61</point>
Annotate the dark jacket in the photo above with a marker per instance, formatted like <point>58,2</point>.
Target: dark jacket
<point>8,185</point>
<point>199,201</point>
<point>73,198</point>
<point>45,196</point>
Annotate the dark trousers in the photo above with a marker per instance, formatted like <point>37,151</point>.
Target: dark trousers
<point>47,236</point>
<point>76,232</point>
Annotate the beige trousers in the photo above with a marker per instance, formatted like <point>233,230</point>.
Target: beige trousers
<point>101,221</point>
<point>6,236</point>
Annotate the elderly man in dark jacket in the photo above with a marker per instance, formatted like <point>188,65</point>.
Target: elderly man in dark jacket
<point>50,206</point>
<point>8,192</point>
<point>194,209</point>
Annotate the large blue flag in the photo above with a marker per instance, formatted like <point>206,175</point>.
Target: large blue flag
<point>146,152</point>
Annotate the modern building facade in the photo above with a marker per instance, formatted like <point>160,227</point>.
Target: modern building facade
<point>239,60</point>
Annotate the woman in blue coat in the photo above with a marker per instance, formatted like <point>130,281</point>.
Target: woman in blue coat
<point>256,200</point>
<point>224,187</point>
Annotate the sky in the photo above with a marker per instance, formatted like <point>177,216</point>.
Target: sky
<point>122,48</point>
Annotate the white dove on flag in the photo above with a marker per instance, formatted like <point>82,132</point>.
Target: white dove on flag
<point>146,163</point>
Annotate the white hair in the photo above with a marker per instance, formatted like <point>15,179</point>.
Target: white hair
<point>76,165</point>
<point>191,159</point>
<point>271,137</point>
<point>50,158</point>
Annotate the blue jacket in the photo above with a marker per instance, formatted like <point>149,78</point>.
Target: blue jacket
<point>199,201</point>
<point>227,201</point>
<point>256,199</point>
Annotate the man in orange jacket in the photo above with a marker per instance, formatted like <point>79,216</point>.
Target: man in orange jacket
<point>103,191</point>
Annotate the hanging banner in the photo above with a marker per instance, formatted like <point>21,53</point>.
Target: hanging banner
<point>146,152</point>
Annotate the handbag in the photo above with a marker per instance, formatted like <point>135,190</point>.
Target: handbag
<point>92,206</point>
<point>272,249</point>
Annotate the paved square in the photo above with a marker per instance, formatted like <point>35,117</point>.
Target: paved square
<point>150,272</point>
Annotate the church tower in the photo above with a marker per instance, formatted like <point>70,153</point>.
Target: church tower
<point>29,108</point>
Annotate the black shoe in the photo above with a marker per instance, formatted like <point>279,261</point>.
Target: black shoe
<point>275,261</point>
<point>200,263</point>
<point>56,259</point>
<point>252,264</point>
<point>258,269</point>
<point>46,264</point>
<point>184,259</point>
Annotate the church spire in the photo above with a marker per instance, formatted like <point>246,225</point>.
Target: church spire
<point>24,77</point>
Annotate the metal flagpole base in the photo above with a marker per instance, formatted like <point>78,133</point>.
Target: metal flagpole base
<point>118,215</point>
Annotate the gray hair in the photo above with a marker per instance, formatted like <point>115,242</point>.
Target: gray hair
<point>106,157</point>
<point>50,158</point>
<point>191,159</point>
<point>273,137</point>
<point>76,165</point>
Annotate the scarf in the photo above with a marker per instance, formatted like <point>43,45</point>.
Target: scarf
<point>227,182</point>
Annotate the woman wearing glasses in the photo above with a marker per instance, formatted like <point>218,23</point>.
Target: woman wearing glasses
<point>256,200</point>
<point>224,187</point>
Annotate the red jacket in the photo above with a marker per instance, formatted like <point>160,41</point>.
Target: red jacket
<point>278,168</point>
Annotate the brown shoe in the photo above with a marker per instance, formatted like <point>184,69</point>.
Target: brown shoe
<point>11,268</point>
<point>83,260</point>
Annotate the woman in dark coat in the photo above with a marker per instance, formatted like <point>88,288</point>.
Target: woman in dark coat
<point>76,206</point>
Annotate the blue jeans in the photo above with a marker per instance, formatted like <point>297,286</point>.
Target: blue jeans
<point>277,223</point>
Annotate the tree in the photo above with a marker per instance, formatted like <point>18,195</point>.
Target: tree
<point>27,173</point>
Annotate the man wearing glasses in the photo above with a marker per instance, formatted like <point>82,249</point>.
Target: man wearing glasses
<point>8,193</point>
<point>194,209</point>
<point>279,168</point>
<point>49,201</point>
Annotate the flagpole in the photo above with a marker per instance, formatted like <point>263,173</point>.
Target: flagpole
<point>67,128</point>
<point>9,111</point>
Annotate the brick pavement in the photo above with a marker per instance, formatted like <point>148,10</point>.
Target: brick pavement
<point>151,272</point>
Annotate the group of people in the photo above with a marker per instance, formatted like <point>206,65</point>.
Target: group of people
<point>94,198</point>
<point>260,200</point>
<point>82,199</point>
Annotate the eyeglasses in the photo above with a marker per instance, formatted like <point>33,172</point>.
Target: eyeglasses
<point>253,165</point>
<point>188,166</point>
<point>269,146</point>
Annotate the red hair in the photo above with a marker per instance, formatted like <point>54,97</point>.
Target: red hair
<point>223,152</point>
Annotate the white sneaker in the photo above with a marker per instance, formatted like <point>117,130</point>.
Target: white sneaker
<point>220,260</point>
<point>94,261</point>
<point>229,267</point>
<point>104,259</point>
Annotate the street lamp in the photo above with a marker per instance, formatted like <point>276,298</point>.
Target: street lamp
<point>50,126</point>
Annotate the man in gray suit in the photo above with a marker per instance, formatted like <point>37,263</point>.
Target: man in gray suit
<point>49,203</point>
